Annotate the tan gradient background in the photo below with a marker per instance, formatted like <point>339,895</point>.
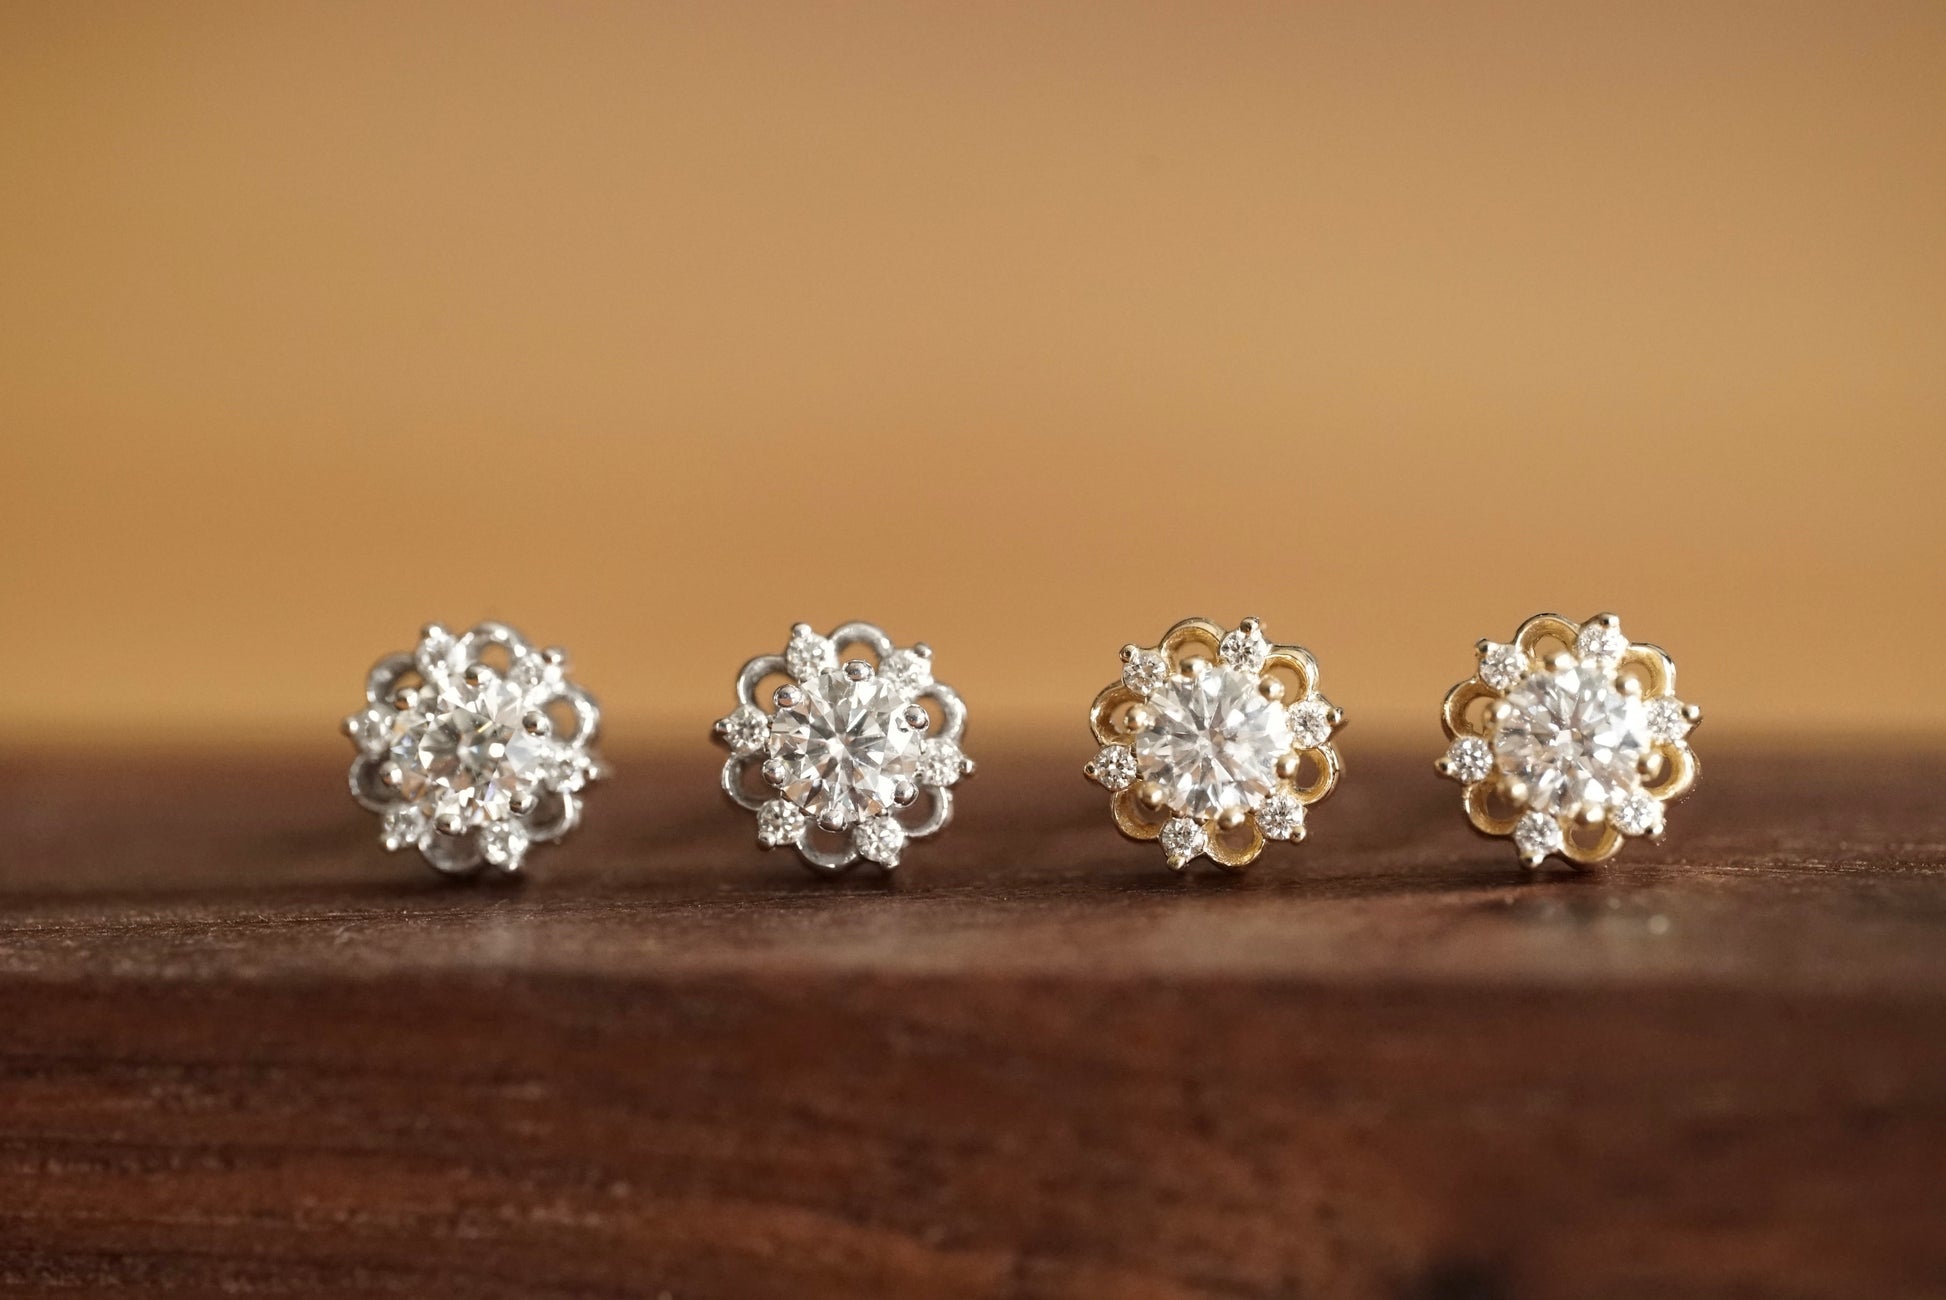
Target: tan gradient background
<point>1023,330</point>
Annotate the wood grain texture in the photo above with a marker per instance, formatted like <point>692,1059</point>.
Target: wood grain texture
<point>246,1052</point>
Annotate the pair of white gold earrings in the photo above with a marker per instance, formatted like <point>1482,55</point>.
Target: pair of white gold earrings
<point>1569,739</point>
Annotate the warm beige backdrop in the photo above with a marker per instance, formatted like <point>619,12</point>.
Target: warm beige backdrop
<point>1021,329</point>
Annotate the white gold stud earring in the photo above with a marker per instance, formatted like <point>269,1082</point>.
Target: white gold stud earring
<point>1214,742</point>
<point>472,748</point>
<point>850,763</point>
<point>1570,739</point>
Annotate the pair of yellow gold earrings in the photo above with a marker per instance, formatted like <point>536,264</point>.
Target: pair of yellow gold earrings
<point>1569,739</point>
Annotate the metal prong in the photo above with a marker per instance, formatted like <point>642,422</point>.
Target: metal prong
<point>1137,717</point>
<point>1651,764</point>
<point>1337,716</point>
<point>923,650</point>
<point>1481,646</point>
<point>1251,626</point>
<point>434,632</point>
<point>1231,818</point>
<point>1630,685</point>
<point>391,776</point>
<point>1129,652</point>
<point>1150,795</point>
<point>857,670</point>
<point>1287,765</point>
<point>1533,860</point>
<point>1515,792</point>
<point>523,803</point>
<point>1609,621</point>
<point>450,824</point>
<point>476,674</point>
<point>1193,667</point>
<point>834,819</point>
<point>1443,766</point>
<point>802,629</point>
<point>904,792</point>
<point>1692,713</point>
<point>915,717</point>
<point>535,722</point>
<point>1271,688</point>
<point>1562,662</point>
<point>1500,711</point>
<point>775,772</point>
<point>405,698</point>
<point>1594,814</point>
<point>788,696</point>
<point>554,657</point>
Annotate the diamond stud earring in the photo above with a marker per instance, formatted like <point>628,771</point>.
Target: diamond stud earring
<point>852,763</point>
<point>472,748</point>
<point>1214,742</point>
<point>1570,739</point>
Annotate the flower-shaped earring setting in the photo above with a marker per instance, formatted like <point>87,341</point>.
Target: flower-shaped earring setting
<point>849,750</point>
<point>473,747</point>
<point>1570,739</point>
<point>1214,742</point>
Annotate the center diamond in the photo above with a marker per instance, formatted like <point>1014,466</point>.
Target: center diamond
<point>465,750</point>
<point>1214,743</point>
<point>844,747</point>
<point>1573,739</point>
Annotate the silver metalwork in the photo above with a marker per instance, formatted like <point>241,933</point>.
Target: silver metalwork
<point>472,748</point>
<point>848,763</point>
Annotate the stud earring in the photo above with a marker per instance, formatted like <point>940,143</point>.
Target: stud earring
<point>852,763</point>
<point>1570,739</point>
<point>1214,742</point>
<point>472,748</point>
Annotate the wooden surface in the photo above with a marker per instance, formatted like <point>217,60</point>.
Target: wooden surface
<point>243,1051</point>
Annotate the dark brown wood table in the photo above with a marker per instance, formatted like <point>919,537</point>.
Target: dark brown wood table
<point>243,1051</point>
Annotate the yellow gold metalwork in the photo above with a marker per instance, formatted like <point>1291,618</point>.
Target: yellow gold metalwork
<point>1131,818</point>
<point>1325,759</point>
<point>1458,701</point>
<point>1669,770</point>
<point>1292,667</point>
<point>1236,858</point>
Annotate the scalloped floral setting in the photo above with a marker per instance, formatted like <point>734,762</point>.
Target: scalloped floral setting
<point>1214,742</point>
<point>468,763</point>
<point>854,765</point>
<point>1570,751</point>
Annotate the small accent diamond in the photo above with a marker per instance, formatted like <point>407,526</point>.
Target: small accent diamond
<point>404,827</point>
<point>1281,817</point>
<point>1469,760</point>
<point>809,654</point>
<point>1502,665</point>
<point>940,762</point>
<point>1146,671</point>
<point>504,844</point>
<point>1600,640</point>
<point>746,731</point>
<point>1638,814</point>
<point>778,823</point>
<point>909,670</point>
<point>1536,836</point>
<point>1245,649</point>
<point>1310,722</point>
<point>1114,766</point>
<point>1182,840</point>
<point>880,839</point>
<point>1668,719</point>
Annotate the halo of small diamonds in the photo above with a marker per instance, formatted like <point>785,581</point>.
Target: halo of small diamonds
<point>1214,742</point>
<point>853,765</point>
<point>1574,751</point>
<point>467,762</point>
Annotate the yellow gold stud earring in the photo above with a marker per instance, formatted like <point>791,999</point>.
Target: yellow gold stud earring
<point>1569,739</point>
<point>1213,742</point>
